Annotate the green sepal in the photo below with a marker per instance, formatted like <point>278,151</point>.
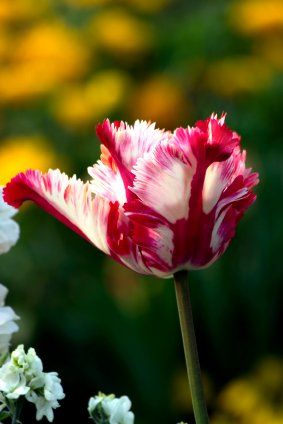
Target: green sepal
<point>99,416</point>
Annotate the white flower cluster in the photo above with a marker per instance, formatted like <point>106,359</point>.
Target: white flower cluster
<point>116,410</point>
<point>9,229</point>
<point>7,324</point>
<point>22,375</point>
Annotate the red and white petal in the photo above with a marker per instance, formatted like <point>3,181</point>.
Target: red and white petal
<point>221,141</point>
<point>163,182</point>
<point>121,244</point>
<point>156,244</point>
<point>218,176</point>
<point>189,140</point>
<point>223,230</point>
<point>234,202</point>
<point>67,199</point>
<point>107,183</point>
<point>127,143</point>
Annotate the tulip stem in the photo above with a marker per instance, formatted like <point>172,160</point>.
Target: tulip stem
<point>190,346</point>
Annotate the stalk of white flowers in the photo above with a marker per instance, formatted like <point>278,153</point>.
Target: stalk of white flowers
<point>9,229</point>
<point>107,409</point>
<point>22,377</point>
<point>7,322</point>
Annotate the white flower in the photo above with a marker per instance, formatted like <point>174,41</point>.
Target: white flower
<point>9,229</point>
<point>7,324</point>
<point>116,409</point>
<point>52,388</point>
<point>46,399</point>
<point>44,408</point>
<point>22,375</point>
<point>12,381</point>
<point>30,363</point>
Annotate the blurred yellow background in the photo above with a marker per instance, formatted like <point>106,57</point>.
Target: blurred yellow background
<point>65,65</point>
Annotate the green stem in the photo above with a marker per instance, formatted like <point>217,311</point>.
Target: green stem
<point>17,412</point>
<point>190,346</point>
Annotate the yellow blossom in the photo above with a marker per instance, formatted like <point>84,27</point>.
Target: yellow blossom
<point>22,83</point>
<point>21,10</point>
<point>106,90</point>
<point>160,99</point>
<point>71,109</point>
<point>239,75</point>
<point>120,32</point>
<point>257,16</point>
<point>240,397</point>
<point>54,47</point>
<point>269,374</point>
<point>4,45</point>
<point>255,399</point>
<point>23,152</point>
<point>81,105</point>
<point>43,57</point>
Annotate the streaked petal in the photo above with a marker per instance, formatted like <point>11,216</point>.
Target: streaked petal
<point>153,235</point>
<point>163,182</point>
<point>230,208</point>
<point>127,143</point>
<point>120,241</point>
<point>68,199</point>
<point>107,183</point>
<point>221,141</point>
<point>219,175</point>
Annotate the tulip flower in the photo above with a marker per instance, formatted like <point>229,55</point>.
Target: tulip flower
<point>158,202</point>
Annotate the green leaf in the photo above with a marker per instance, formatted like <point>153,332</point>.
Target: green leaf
<point>4,415</point>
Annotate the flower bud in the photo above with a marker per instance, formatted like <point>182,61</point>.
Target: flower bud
<point>107,409</point>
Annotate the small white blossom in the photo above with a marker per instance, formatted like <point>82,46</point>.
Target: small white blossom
<point>50,392</point>
<point>22,375</point>
<point>117,410</point>
<point>44,408</point>
<point>12,381</point>
<point>30,363</point>
<point>9,229</point>
<point>52,387</point>
<point>7,324</point>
